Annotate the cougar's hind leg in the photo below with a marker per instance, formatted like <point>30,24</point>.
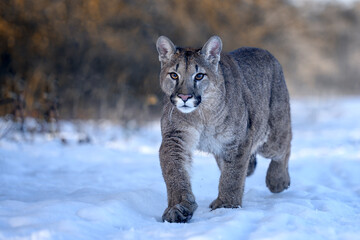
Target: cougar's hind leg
<point>252,165</point>
<point>277,148</point>
<point>277,176</point>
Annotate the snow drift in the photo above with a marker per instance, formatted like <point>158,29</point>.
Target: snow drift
<point>112,187</point>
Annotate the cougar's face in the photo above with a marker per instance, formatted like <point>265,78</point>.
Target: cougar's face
<point>185,81</point>
<point>186,73</point>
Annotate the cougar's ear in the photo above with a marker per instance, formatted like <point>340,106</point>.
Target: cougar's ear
<point>165,48</point>
<point>212,50</point>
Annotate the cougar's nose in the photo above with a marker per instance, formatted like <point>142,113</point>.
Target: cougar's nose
<point>184,97</point>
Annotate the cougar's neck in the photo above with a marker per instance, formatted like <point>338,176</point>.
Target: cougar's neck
<point>214,103</point>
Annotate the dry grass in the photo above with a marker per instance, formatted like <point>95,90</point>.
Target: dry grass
<point>96,59</point>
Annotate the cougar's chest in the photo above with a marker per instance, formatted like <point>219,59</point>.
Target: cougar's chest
<point>212,139</point>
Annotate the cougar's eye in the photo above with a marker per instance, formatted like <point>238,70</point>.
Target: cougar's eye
<point>199,76</point>
<point>174,76</point>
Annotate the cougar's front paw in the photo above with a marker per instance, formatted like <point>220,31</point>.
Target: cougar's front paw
<point>180,213</point>
<point>217,203</point>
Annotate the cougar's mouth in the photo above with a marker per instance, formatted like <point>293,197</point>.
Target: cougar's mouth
<point>186,106</point>
<point>186,109</point>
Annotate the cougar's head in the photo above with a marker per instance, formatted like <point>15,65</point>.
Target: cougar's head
<point>186,73</point>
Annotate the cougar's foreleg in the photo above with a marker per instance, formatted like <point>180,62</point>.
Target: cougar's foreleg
<point>175,159</point>
<point>232,179</point>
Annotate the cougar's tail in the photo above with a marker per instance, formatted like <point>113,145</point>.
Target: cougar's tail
<point>252,165</point>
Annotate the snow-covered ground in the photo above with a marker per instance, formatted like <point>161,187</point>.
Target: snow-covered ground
<point>112,188</point>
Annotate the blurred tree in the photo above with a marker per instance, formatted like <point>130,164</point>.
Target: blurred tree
<point>97,59</point>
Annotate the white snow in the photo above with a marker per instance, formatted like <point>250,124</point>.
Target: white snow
<point>112,188</point>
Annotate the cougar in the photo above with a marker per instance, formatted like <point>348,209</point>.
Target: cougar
<point>233,105</point>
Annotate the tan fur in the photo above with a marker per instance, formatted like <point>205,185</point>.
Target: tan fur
<point>239,108</point>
